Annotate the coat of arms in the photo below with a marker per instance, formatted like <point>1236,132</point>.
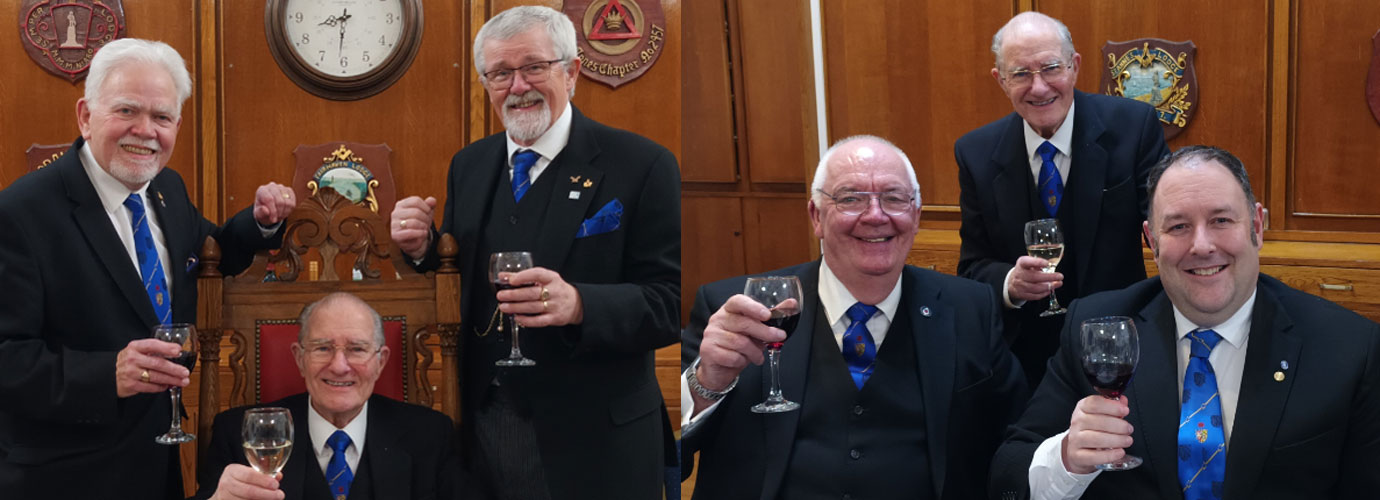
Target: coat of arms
<point>63,35</point>
<point>619,39</point>
<point>1157,72</point>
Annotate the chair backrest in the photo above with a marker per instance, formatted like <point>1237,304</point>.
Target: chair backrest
<point>342,246</point>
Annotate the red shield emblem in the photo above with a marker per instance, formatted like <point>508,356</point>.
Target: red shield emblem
<point>1373,81</point>
<point>619,39</point>
<point>63,35</point>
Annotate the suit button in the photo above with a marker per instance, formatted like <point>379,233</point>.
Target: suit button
<point>855,454</point>
<point>858,410</point>
<point>512,219</point>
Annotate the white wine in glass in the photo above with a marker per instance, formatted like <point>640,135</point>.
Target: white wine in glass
<point>1044,240</point>
<point>267,435</point>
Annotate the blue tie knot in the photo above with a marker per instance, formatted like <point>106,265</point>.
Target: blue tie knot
<point>861,312</point>
<point>1046,151</point>
<point>523,160</point>
<point>1203,342</point>
<point>135,204</point>
<point>338,441</point>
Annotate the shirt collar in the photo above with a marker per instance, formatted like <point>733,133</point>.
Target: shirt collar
<point>321,429</point>
<point>1234,330</point>
<point>549,144</point>
<point>111,191</point>
<point>836,298</point>
<point>1062,138</point>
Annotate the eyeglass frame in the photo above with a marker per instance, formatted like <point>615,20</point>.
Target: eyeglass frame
<point>1013,76</point>
<point>872,195</point>
<point>309,350</point>
<point>489,75</point>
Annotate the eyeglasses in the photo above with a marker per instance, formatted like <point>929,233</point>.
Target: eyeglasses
<point>355,353</point>
<point>1022,76</point>
<point>857,202</point>
<point>536,72</point>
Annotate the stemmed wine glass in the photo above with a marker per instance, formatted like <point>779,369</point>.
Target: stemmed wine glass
<point>502,264</point>
<point>182,334</point>
<point>781,294</point>
<point>267,435</point>
<point>1043,239</point>
<point>1110,352</point>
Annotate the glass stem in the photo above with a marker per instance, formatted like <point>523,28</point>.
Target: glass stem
<point>514,353</point>
<point>773,355</point>
<point>176,415</point>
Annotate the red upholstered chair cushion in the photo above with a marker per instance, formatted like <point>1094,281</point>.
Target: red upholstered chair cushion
<point>278,375</point>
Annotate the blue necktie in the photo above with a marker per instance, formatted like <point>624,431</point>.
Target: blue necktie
<point>859,350</point>
<point>150,269</point>
<point>338,473</point>
<point>1051,184</point>
<point>1202,445</point>
<point>522,167</point>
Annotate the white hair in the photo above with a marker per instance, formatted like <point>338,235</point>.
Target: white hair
<point>519,20</point>
<point>133,50</point>
<point>1031,17</point>
<point>821,171</point>
<point>304,320</point>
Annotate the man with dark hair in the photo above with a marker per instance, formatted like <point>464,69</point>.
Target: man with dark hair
<point>1079,158</point>
<point>1246,388</point>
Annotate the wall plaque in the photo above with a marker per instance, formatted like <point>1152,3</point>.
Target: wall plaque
<point>63,35</point>
<point>1157,72</point>
<point>618,39</point>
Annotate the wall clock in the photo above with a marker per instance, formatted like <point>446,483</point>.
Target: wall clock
<point>343,49</point>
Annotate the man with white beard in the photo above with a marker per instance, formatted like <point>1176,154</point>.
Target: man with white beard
<point>599,210</point>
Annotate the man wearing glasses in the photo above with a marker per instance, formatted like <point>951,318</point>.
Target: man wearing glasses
<point>408,451</point>
<point>1080,158</point>
<point>903,381</point>
<point>599,210</point>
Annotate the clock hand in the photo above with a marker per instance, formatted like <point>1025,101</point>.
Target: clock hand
<point>344,16</point>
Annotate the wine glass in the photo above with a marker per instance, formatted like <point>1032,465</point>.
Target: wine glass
<point>182,334</point>
<point>1110,352</point>
<point>1043,239</point>
<point>267,435</point>
<point>501,264</point>
<point>781,294</point>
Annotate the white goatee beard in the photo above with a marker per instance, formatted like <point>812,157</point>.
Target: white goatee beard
<point>526,127</point>
<point>135,173</point>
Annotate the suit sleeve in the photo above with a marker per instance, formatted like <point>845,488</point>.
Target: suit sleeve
<point>1361,453</point>
<point>239,239</point>
<point>978,258</point>
<point>643,314</point>
<point>224,450</point>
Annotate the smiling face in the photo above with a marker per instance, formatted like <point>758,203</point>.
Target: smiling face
<point>1042,102</point>
<point>339,388</point>
<point>528,109</point>
<point>1206,238</point>
<point>871,244</point>
<point>133,128</point>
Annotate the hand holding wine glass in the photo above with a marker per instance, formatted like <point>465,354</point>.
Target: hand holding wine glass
<point>267,435</point>
<point>781,295</point>
<point>184,335</point>
<point>1111,350</point>
<point>1044,239</point>
<point>501,266</point>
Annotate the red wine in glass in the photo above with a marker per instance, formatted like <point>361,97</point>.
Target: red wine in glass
<point>786,321</point>
<point>781,295</point>
<point>186,358</point>
<point>1111,350</point>
<point>1109,379</point>
<point>501,265</point>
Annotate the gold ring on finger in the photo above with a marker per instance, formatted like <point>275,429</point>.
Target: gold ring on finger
<point>543,306</point>
<point>144,376</point>
<point>403,224</point>
<point>545,294</point>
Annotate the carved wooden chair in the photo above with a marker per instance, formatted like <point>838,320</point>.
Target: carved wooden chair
<point>330,244</point>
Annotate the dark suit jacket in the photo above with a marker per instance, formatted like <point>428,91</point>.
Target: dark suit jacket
<point>1115,142</point>
<point>972,384</point>
<point>1314,435</point>
<point>597,408</point>
<point>73,300</point>
<point>410,451</point>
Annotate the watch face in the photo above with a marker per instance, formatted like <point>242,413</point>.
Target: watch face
<point>344,38</point>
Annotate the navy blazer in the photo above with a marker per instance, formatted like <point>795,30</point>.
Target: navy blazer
<point>972,387</point>
<point>1314,435</point>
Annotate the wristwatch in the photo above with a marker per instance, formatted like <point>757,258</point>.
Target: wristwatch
<point>702,391</point>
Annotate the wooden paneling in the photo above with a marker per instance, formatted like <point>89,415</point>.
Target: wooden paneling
<point>778,90</point>
<point>778,232</point>
<point>706,111</point>
<point>1335,146</point>
<point>711,244</point>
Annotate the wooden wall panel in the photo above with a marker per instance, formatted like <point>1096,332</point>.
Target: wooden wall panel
<point>712,246</point>
<point>1336,139</point>
<point>778,232</point>
<point>706,111</point>
<point>779,127</point>
<point>918,74</point>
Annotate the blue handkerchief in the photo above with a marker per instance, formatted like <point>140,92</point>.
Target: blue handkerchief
<point>606,219</point>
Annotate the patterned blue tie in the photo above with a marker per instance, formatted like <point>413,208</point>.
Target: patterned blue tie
<point>1202,445</point>
<point>150,268</point>
<point>1051,184</point>
<point>337,470</point>
<point>859,350</point>
<point>522,167</point>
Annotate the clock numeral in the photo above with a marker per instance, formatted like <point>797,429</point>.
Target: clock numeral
<point>381,41</point>
<point>323,55</point>
<point>305,39</point>
<point>365,58</point>
<point>389,18</point>
<point>297,17</point>
<point>344,62</point>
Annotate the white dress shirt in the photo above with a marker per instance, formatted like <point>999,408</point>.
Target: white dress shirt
<point>321,430</point>
<point>548,145</point>
<point>836,299</point>
<point>113,193</point>
<point>1063,144</point>
<point>1050,478</point>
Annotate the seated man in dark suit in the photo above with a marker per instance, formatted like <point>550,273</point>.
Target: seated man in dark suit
<point>917,414</point>
<point>1246,388</point>
<point>390,450</point>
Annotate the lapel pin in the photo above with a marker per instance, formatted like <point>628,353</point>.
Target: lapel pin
<point>574,195</point>
<point>160,200</point>
<point>1279,376</point>
<point>574,179</point>
<point>1283,365</point>
<point>925,311</point>
<point>588,183</point>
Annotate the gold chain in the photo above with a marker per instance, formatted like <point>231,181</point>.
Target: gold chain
<point>497,318</point>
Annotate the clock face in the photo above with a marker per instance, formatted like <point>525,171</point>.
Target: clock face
<point>344,38</point>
